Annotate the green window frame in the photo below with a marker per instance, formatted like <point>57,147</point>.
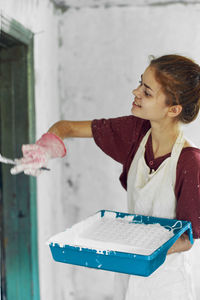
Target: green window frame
<point>18,216</point>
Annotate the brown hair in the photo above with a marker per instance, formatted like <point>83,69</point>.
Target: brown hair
<point>179,77</point>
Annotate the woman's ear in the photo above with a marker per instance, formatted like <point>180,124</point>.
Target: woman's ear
<point>174,111</point>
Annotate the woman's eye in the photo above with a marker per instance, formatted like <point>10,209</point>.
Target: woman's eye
<point>147,94</point>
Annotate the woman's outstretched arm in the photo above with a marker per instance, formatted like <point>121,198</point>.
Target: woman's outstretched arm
<point>65,129</point>
<point>50,145</point>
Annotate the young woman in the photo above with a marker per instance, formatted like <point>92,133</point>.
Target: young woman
<point>161,169</point>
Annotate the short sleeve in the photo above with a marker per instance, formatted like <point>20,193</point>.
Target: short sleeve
<point>116,136</point>
<point>187,188</point>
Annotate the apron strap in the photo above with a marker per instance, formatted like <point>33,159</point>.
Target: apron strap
<point>176,151</point>
<point>175,154</point>
<point>145,139</point>
<point>177,148</point>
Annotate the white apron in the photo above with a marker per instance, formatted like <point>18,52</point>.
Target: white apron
<point>153,195</point>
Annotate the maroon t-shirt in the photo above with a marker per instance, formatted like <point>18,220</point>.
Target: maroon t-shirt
<point>120,138</point>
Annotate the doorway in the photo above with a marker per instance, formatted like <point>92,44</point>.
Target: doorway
<point>18,212</point>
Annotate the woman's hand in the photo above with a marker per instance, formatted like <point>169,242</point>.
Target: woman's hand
<point>182,244</point>
<point>36,156</point>
<point>50,145</point>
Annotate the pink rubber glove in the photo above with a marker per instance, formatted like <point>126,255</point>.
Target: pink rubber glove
<point>36,156</point>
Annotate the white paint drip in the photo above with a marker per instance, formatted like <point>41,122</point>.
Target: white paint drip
<point>114,234</point>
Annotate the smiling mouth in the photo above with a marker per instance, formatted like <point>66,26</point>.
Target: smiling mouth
<point>136,103</point>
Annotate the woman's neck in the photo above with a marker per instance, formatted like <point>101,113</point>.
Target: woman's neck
<point>164,137</point>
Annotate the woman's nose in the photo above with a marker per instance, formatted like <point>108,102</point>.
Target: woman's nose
<point>136,92</point>
<point>133,92</point>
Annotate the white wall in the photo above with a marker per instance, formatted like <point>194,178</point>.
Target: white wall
<point>103,53</point>
<point>87,61</point>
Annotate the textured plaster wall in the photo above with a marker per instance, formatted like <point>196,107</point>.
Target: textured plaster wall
<point>119,3</point>
<point>88,58</point>
<point>103,52</point>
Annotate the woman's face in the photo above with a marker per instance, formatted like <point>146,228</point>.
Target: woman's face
<point>149,102</point>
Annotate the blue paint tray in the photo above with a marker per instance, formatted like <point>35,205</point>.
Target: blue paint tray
<point>119,242</point>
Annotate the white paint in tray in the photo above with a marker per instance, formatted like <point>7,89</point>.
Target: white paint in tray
<point>109,233</point>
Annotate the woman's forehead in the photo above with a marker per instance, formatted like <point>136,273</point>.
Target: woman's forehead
<point>149,79</point>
